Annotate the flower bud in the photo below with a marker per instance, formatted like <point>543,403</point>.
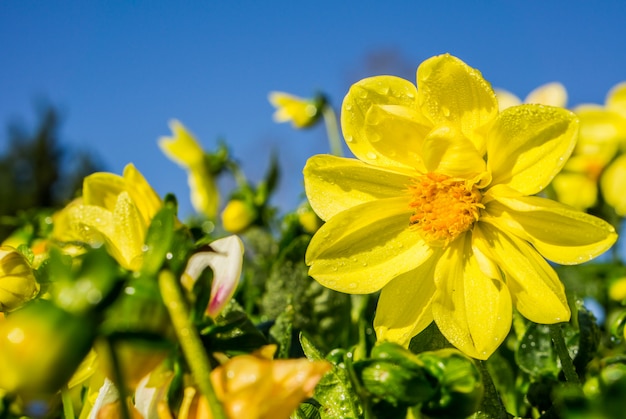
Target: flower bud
<point>460,389</point>
<point>238,216</point>
<point>17,280</point>
<point>41,346</point>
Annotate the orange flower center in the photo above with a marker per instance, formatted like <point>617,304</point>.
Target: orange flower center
<point>443,208</point>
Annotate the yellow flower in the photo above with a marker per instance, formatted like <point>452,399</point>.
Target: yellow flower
<point>17,280</point>
<point>237,216</point>
<point>602,129</point>
<point>184,149</point>
<point>552,94</point>
<point>302,113</point>
<point>256,387</point>
<point>114,210</point>
<point>438,213</point>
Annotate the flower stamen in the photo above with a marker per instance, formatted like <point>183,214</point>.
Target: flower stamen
<point>443,207</point>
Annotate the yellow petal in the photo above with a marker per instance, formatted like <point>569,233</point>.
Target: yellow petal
<point>560,233</point>
<point>128,233</point>
<point>204,193</point>
<point>450,91</point>
<point>360,250</point>
<point>141,193</point>
<point>447,151</point>
<point>301,112</point>
<point>616,99</point>
<point>334,184</point>
<point>381,123</point>
<point>473,310</point>
<point>612,185</point>
<point>551,94</point>
<point>101,189</point>
<point>529,144</point>
<point>404,306</point>
<point>537,292</point>
<point>182,147</point>
<point>575,190</point>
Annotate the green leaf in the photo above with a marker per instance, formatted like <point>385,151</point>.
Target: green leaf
<point>335,391</point>
<point>281,332</point>
<point>535,354</point>
<point>158,240</point>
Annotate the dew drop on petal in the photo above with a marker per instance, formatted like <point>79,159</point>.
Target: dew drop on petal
<point>371,155</point>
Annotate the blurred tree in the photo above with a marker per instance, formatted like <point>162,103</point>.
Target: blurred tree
<point>36,171</point>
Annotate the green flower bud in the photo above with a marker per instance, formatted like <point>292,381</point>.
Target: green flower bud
<point>395,375</point>
<point>41,346</point>
<point>17,281</point>
<point>460,389</point>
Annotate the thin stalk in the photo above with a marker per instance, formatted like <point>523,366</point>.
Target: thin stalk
<point>118,380</point>
<point>189,340</point>
<point>561,349</point>
<point>332,130</point>
<point>68,406</point>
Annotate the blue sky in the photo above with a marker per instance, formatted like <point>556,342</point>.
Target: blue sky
<point>120,70</point>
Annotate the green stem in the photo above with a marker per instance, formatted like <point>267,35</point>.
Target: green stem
<point>68,406</point>
<point>118,379</point>
<point>561,349</point>
<point>492,402</point>
<point>334,139</point>
<point>189,340</point>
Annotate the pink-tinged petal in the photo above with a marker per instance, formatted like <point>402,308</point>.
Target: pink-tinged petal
<point>225,259</point>
<point>472,308</point>
<point>404,306</point>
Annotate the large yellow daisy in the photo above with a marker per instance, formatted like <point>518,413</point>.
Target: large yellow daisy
<point>438,209</point>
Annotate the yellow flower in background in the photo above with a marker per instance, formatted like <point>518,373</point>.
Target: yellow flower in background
<point>17,280</point>
<point>551,94</point>
<point>602,132</point>
<point>437,210</point>
<point>255,386</point>
<point>184,149</point>
<point>302,113</point>
<point>114,210</point>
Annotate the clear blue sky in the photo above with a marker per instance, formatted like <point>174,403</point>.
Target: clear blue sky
<point>120,70</point>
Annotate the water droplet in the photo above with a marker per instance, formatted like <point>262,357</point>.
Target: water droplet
<point>352,285</point>
<point>445,110</point>
<point>523,345</point>
<point>532,344</point>
<point>349,139</point>
<point>145,248</point>
<point>334,268</point>
<point>348,107</point>
<point>169,255</point>
<point>371,155</point>
<point>364,263</point>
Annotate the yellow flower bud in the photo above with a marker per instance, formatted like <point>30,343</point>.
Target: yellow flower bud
<point>237,216</point>
<point>308,219</point>
<point>17,281</point>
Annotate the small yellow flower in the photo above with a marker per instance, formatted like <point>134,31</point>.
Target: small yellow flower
<point>237,216</point>
<point>302,113</point>
<point>438,209</point>
<point>17,280</point>
<point>602,131</point>
<point>184,149</point>
<point>256,387</point>
<point>114,210</point>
